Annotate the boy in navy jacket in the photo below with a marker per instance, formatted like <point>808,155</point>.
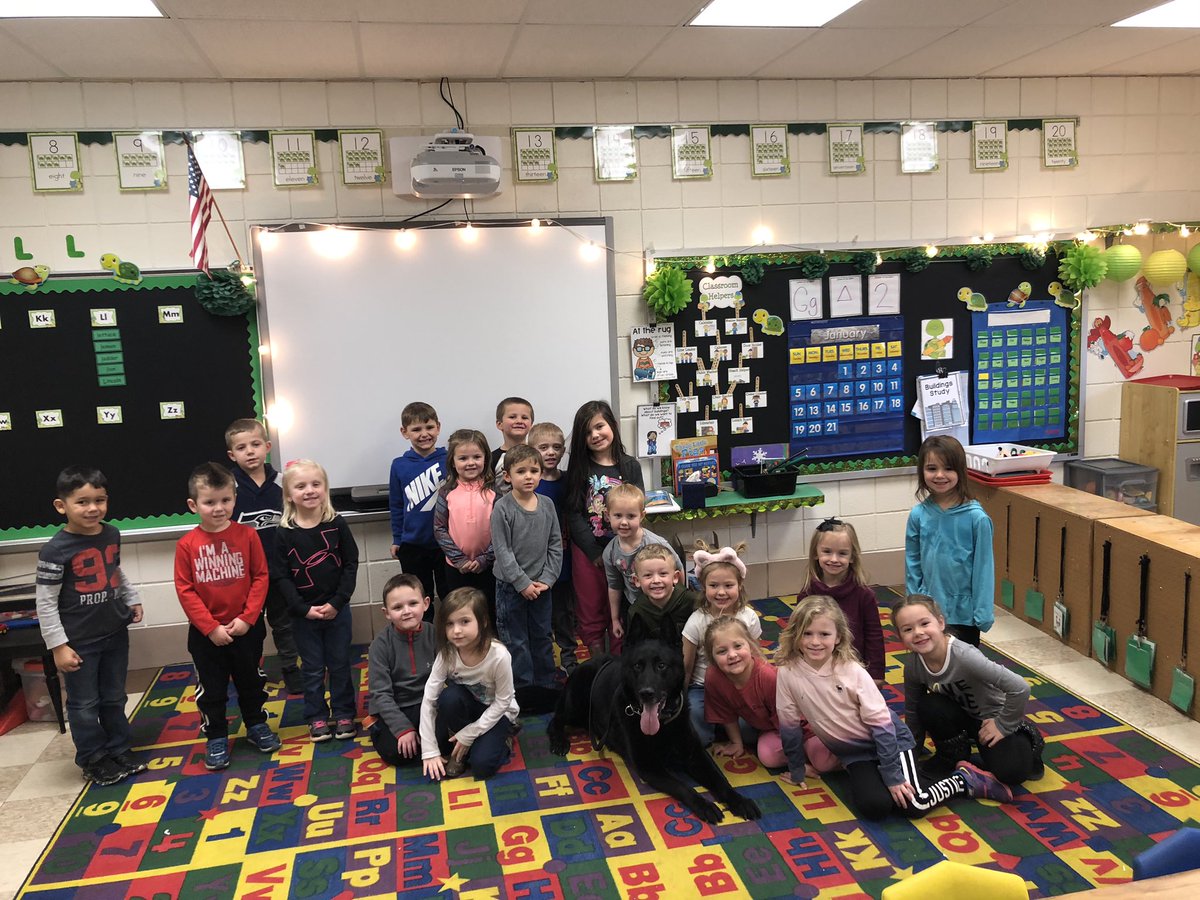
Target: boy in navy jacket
<point>412,491</point>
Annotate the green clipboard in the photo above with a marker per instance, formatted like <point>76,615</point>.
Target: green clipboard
<point>1062,616</point>
<point>1139,649</point>
<point>1035,600</point>
<point>1006,586</point>
<point>1104,636</point>
<point>1183,685</point>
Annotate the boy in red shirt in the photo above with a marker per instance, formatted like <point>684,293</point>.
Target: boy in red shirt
<point>221,578</point>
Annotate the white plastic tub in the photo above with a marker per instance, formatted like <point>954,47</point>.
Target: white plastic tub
<point>996,459</point>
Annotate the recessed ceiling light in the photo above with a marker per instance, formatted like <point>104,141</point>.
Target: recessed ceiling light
<point>771,13</point>
<point>80,9</point>
<point>1176,14</point>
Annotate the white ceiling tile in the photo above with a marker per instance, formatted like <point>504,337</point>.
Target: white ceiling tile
<point>718,52</point>
<point>1177,58</point>
<point>613,12</point>
<point>969,52</point>
<point>22,61</point>
<point>890,14</point>
<point>1093,50</point>
<point>849,52</point>
<point>106,49</point>
<point>412,11</point>
<point>431,51</point>
<point>1066,12</point>
<point>559,51</point>
<point>315,50</point>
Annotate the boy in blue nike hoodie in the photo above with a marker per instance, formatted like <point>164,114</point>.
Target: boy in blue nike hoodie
<point>258,503</point>
<point>412,490</point>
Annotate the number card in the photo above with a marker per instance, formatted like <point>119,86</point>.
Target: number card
<point>918,147</point>
<point>54,161</point>
<point>990,145</point>
<point>769,151</point>
<point>691,152</point>
<point>807,296</point>
<point>534,157</point>
<point>845,296</point>
<point>1058,144</point>
<point>616,152</point>
<point>846,156</point>
<point>141,160</point>
<point>219,154</point>
<point>883,294</point>
<point>294,158</point>
<point>362,157</point>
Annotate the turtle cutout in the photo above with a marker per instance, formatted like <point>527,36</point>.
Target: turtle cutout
<point>124,272</point>
<point>32,277</point>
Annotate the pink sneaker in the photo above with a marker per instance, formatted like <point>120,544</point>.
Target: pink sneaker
<point>984,785</point>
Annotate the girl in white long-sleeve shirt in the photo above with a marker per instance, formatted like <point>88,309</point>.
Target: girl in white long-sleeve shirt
<point>470,705</point>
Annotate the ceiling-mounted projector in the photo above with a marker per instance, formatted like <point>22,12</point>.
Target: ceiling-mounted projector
<point>454,165</point>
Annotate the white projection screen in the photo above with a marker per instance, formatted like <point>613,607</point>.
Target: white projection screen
<point>357,321</point>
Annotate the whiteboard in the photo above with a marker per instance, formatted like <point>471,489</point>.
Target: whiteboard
<point>354,327</point>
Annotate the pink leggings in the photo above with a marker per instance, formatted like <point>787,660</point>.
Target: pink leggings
<point>592,611</point>
<point>770,753</point>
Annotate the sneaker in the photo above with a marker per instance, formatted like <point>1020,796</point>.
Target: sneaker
<point>984,785</point>
<point>455,768</point>
<point>216,754</point>
<point>127,762</point>
<point>103,772</point>
<point>345,729</point>
<point>293,681</point>
<point>263,738</point>
<point>319,731</point>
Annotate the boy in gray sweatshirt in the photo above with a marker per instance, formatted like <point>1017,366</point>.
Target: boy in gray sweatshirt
<point>398,665</point>
<point>528,546</point>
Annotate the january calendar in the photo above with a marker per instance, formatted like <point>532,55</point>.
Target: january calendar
<point>846,383</point>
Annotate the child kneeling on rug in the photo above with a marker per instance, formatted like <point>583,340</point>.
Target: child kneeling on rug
<point>821,679</point>
<point>469,712</point>
<point>959,696</point>
<point>398,665</point>
<point>739,693</point>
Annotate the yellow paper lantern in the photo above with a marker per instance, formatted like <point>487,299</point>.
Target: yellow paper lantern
<point>1124,261</point>
<point>1193,259</point>
<point>1165,267</point>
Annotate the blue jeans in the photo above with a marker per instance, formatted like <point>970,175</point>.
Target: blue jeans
<point>457,708</point>
<point>696,714</point>
<point>96,699</point>
<point>524,627</point>
<point>324,644</point>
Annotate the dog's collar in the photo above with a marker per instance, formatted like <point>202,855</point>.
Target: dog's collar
<point>667,714</point>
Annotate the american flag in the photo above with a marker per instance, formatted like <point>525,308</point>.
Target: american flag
<point>200,204</point>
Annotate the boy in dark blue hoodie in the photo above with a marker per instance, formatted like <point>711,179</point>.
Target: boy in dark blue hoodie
<point>259,504</point>
<point>412,490</point>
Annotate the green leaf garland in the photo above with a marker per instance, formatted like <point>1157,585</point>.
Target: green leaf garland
<point>667,291</point>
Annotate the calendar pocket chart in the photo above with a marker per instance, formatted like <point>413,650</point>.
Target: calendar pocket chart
<point>1021,379</point>
<point>846,386</point>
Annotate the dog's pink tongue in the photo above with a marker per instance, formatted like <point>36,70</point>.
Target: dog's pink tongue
<point>650,723</point>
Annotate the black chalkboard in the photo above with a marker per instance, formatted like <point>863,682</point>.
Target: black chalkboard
<point>207,363</point>
<point>932,292</point>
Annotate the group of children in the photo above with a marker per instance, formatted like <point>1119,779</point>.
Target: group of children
<point>492,536</point>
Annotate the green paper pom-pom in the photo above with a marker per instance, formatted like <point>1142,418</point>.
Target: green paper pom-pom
<point>864,263</point>
<point>1033,258</point>
<point>667,291</point>
<point>222,293</point>
<point>916,260</point>
<point>753,270</point>
<point>1082,267</point>
<point>978,258</point>
<point>815,266</point>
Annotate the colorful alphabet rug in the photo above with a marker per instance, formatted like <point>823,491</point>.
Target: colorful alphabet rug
<point>331,821</point>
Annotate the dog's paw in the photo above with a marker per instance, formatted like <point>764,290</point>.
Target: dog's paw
<point>707,811</point>
<point>744,807</point>
<point>559,745</point>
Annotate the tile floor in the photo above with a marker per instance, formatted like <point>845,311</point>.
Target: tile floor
<point>39,781</point>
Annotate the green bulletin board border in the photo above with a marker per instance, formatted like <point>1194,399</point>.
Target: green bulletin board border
<point>957,253</point>
<point>96,284</point>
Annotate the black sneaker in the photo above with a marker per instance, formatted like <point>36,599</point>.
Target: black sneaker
<point>345,729</point>
<point>127,762</point>
<point>103,772</point>
<point>293,681</point>
<point>318,730</point>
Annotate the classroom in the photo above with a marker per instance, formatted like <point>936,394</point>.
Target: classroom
<point>566,69</point>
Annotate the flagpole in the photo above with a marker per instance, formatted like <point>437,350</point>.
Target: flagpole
<point>241,260</point>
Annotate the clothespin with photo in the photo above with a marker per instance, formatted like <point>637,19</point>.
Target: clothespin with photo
<point>703,305</point>
<point>757,384</point>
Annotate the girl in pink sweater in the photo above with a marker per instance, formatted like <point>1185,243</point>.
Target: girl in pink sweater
<point>462,518</point>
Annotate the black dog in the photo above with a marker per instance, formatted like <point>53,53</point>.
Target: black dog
<point>637,706</point>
